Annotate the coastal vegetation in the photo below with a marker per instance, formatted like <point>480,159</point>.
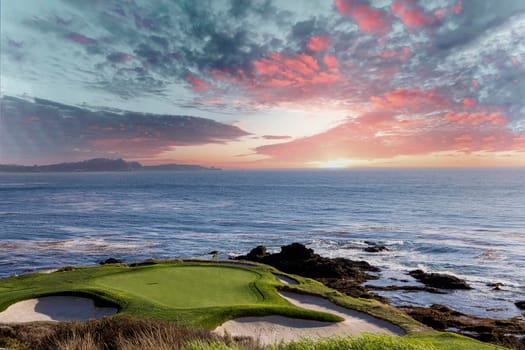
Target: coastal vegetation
<point>98,165</point>
<point>190,293</point>
<point>175,302</point>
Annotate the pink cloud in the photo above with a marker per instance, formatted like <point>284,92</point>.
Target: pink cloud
<point>412,15</point>
<point>476,119</point>
<point>198,84</point>
<point>440,13</point>
<point>515,60</point>
<point>319,43</point>
<point>79,38</point>
<point>410,99</point>
<point>369,19</point>
<point>469,102</point>
<point>475,84</point>
<point>463,138</point>
<point>402,53</point>
<point>331,62</point>
<point>284,77</point>
<point>384,134</point>
<point>458,7</point>
<point>300,70</point>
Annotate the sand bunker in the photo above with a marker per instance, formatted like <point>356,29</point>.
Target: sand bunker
<point>274,329</point>
<point>54,308</point>
<point>286,280</point>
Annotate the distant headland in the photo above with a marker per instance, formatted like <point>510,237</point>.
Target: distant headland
<point>99,165</point>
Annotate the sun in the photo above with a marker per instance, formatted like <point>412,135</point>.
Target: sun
<point>334,164</point>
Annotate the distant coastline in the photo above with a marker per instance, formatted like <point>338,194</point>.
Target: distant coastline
<point>100,165</point>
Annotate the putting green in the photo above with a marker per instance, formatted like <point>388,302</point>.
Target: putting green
<point>187,286</point>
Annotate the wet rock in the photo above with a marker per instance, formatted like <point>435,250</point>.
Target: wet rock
<point>520,304</point>
<point>439,280</point>
<point>213,252</point>
<point>341,274</point>
<point>258,252</point>
<point>376,249</point>
<point>495,286</point>
<point>407,288</point>
<point>111,261</point>
<point>440,317</point>
<point>296,258</point>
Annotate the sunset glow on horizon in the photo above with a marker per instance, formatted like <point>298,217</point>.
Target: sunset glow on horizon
<point>264,84</point>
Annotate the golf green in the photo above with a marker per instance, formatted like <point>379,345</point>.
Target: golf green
<point>187,286</point>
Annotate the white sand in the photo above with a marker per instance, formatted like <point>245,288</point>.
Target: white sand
<point>274,329</point>
<point>55,308</point>
<point>286,280</point>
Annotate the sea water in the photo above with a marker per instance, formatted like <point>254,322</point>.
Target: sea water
<point>465,222</point>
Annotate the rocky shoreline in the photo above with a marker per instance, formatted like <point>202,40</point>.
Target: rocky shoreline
<point>348,277</point>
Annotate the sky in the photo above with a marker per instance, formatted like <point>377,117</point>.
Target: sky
<point>264,83</point>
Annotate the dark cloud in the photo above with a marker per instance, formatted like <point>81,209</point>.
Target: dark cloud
<point>168,40</point>
<point>226,56</point>
<point>476,18</point>
<point>33,130</point>
<point>276,137</point>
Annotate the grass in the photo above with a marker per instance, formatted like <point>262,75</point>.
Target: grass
<point>364,342</point>
<point>198,295</point>
<point>187,286</point>
<point>192,293</point>
<point>128,333</point>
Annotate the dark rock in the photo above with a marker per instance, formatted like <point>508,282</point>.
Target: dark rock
<point>341,274</point>
<point>67,269</point>
<point>296,258</point>
<point>439,280</point>
<point>376,249</point>
<point>520,304</point>
<point>496,286</point>
<point>297,251</point>
<point>213,252</point>
<point>435,323</point>
<point>110,261</point>
<point>258,252</point>
<point>479,329</point>
<point>407,288</point>
<point>503,332</point>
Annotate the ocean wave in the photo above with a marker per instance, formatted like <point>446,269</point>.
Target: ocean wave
<point>76,246</point>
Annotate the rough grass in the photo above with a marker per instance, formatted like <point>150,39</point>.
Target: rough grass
<point>129,333</point>
<point>364,342</point>
<point>110,333</point>
<point>126,287</point>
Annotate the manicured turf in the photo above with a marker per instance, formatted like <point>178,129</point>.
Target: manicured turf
<point>207,294</point>
<point>193,293</point>
<point>187,286</point>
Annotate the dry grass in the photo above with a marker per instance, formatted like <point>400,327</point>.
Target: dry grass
<point>112,333</point>
<point>130,333</point>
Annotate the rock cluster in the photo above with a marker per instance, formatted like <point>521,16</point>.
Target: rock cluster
<point>347,276</point>
<point>440,317</point>
<point>439,280</point>
<point>341,274</point>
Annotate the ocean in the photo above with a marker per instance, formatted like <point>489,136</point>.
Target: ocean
<point>465,222</point>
